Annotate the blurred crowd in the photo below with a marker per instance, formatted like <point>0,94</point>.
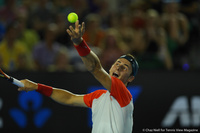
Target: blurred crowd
<point>161,34</point>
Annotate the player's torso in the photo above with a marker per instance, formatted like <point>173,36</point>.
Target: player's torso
<point>108,116</point>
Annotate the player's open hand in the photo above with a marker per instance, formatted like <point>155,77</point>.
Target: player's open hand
<point>28,85</point>
<point>77,33</point>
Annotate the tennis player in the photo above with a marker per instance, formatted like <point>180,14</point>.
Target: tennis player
<point>112,109</point>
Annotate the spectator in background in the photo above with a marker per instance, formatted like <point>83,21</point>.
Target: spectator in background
<point>156,5</point>
<point>182,42</point>
<point>62,6</point>
<point>28,36</point>
<point>80,7</point>
<point>191,9</point>
<point>112,47</point>
<point>13,54</point>
<point>45,51</point>
<point>2,31</point>
<point>138,14</point>
<point>105,9</point>
<point>41,16</point>
<point>61,62</point>
<point>8,12</point>
<point>156,53</point>
<point>62,37</point>
<point>125,29</point>
<point>104,12</point>
<point>1,62</point>
<point>177,28</point>
<point>27,7</point>
<point>94,33</point>
<point>138,22</point>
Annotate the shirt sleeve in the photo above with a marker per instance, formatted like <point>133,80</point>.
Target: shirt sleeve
<point>88,98</point>
<point>120,92</point>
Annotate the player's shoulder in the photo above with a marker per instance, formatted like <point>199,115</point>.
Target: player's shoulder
<point>99,92</point>
<point>96,94</point>
<point>88,98</point>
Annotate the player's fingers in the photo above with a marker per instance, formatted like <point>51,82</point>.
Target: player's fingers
<point>69,32</point>
<point>83,24</point>
<point>80,31</point>
<point>77,24</point>
<point>83,27</point>
<point>72,29</point>
<point>21,89</point>
<point>73,32</point>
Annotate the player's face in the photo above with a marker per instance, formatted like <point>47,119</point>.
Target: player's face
<point>122,70</point>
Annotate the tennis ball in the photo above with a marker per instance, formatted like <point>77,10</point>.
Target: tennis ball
<point>72,17</point>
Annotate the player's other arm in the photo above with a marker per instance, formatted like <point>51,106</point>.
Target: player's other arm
<point>67,98</point>
<point>59,95</point>
<point>90,59</point>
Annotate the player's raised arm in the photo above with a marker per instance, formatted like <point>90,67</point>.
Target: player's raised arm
<point>89,58</point>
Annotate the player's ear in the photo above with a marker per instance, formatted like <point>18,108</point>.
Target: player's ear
<point>131,78</point>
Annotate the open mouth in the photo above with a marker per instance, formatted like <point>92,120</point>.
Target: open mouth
<point>115,75</point>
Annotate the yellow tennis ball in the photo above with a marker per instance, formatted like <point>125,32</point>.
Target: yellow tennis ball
<point>72,17</point>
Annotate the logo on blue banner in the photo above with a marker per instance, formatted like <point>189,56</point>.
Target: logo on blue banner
<point>30,104</point>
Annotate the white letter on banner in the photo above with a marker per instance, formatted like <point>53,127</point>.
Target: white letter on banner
<point>179,109</point>
<point>195,106</point>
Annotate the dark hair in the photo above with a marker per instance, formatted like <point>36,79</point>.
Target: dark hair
<point>133,62</point>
